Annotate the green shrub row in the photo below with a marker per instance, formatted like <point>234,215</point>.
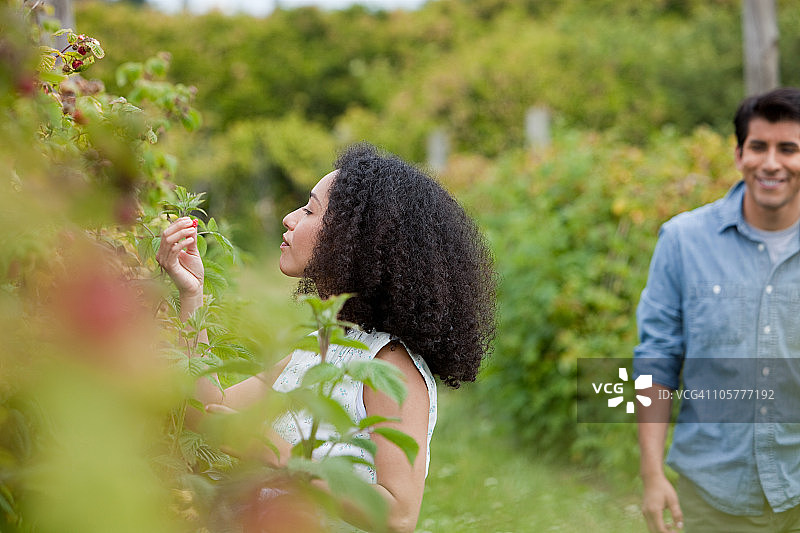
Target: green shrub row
<point>573,230</point>
<point>471,67</point>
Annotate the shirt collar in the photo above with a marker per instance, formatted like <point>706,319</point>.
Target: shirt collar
<point>730,209</point>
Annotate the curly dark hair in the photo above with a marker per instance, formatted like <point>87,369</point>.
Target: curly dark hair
<point>417,264</point>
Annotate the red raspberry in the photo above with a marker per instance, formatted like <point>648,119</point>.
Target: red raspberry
<point>26,85</point>
<point>77,64</point>
<point>79,117</point>
<point>82,50</point>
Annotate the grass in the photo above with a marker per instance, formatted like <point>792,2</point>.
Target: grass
<point>481,482</point>
<point>478,481</point>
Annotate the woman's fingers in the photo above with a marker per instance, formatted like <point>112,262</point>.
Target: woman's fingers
<point>179,235</point>
<point>219,409</point>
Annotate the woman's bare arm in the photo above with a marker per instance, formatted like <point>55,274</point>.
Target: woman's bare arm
<point>400,483</point>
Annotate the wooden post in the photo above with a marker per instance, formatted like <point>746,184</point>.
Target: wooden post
<point>537,127</point>
<point>62,10</point>
<point>760,32</point>
<point>438,149</point>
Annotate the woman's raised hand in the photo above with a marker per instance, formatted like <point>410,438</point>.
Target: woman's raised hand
<point>179,257</point>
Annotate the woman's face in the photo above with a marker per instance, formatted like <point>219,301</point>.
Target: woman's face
<point>303,226</point>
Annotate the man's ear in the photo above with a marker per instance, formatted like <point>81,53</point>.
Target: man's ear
<point>737,156</point>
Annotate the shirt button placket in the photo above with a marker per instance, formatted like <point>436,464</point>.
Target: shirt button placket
<point>765,344</point>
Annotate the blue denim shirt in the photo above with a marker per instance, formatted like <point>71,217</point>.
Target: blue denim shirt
<point>713,292</point>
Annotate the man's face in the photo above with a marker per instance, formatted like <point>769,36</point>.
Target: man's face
<point>769,161</point>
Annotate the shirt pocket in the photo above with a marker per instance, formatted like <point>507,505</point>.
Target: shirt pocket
<point>787,307</point>
<point>717,314</point>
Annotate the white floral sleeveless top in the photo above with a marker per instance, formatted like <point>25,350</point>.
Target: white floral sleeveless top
<point>350,394</point>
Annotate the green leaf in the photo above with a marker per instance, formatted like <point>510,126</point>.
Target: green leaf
<point>345,483</point>
<point>380,376</point>
<point>96,49</point>
<point>375,419</point>
<point>366,444</point>
<point>128,73</point>
<point>338,337</point>
<point>52,77</point>
<point>224,345</point>
<point>192,120</point>
<point>225,243</point>
<point>202,245</point>
<point>190,441</point>
<point>196,367</point>
<point>213,457</point>
<point>61,32</point>
<point>322,373</point>
<point>299,449</point>
<point>46,63</point>
<point>309,343</point>
<point>215,282</point>
<point>156,67</point>
<point>313,301</point>
<point>235,366</point>
<point>7,501</point>
<point>155,243</point>
<point>402,440</point>
<point>197,404</point>
<point>52,25</point>
<point>322,408</point>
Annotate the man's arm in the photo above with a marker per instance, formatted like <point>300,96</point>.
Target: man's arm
<point>659,494</point>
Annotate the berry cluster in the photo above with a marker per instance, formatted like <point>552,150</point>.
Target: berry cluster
<point>80,52</point>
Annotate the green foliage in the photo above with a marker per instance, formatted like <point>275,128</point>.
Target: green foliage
<point>573,230</point>
<point>471,67</point>
<point>321,380</point>
<point>279,94</point>
<point>258,170</point>
<point>98,371</point>
<point>315,397</point>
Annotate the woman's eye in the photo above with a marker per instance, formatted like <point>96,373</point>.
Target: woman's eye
<point>306,211</point>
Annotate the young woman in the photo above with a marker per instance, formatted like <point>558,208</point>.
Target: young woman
<point>424,301</point>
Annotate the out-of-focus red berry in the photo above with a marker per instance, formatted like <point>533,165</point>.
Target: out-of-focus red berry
<point>126,210</point>
<point>26,85</point>
<point>281,510</point>
<point>79,117</point>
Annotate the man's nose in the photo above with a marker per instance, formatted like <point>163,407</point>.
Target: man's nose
<point>771,162</point>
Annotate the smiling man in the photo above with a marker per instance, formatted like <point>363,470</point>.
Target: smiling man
<point>722,299</point>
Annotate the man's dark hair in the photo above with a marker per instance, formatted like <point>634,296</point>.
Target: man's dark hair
<point>418,265</point>
<point>773,106</point>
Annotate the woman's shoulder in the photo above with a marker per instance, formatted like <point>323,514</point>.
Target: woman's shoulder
<point>380,342</point>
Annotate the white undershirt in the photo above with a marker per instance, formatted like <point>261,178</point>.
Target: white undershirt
<point>779,243</point>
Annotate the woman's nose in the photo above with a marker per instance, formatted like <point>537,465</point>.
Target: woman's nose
<point>290,220</point>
